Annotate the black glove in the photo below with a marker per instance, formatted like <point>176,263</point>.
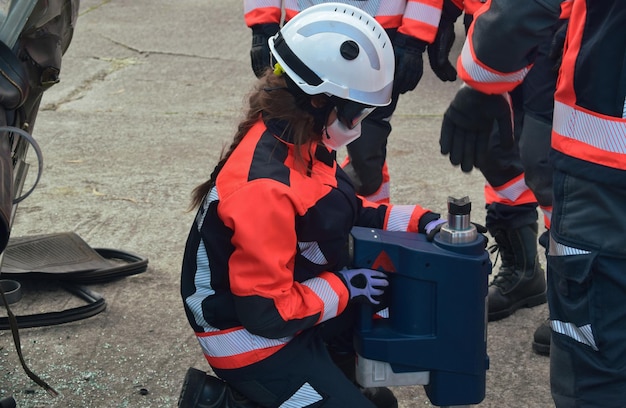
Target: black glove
<point>468,123</point>
<point>439,50</point>
<point>260,51</point>
<point>409,62</point>
<point>557,44</point>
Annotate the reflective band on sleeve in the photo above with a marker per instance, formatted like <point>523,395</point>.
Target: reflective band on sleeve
<point>423,13</point>
<point>324,291</point>
<point>399,217</point>
<point>483,75</point>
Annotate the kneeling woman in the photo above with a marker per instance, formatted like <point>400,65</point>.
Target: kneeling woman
<point>264,279</point>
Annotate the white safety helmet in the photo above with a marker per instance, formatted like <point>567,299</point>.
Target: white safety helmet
<point>339,50</point>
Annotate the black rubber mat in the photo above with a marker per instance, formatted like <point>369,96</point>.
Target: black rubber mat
<point>66,256</point>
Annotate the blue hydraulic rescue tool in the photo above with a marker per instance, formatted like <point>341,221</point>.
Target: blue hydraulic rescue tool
<point>435,333</point>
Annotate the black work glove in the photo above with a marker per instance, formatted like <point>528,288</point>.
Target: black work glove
<point>439,50</point>
<point>260,51</point>
<point>468,123</point>
<point>557,45</point>
<point>409,62</point>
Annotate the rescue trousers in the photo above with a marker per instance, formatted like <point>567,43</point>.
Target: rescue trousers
<point>587,294</point>
<point>301,374</point>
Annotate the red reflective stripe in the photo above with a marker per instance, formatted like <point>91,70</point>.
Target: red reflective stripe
<point>236,347</point>
<point>421,20</point>
<point>243,359</point>
<point>514,192</point>
<point>483,78</point>
<point>390,21</point>
<point>589,136</point>
<point>262,15</point>
<point>547,215</point>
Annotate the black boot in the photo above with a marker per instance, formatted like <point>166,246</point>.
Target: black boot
<point>520,281</point>
<point>541,338</point>
<point>201,390</point>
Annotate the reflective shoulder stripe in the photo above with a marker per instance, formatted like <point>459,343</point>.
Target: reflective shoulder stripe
<point>237,347</point>
<point>483,78</point>
<point>589,136</point>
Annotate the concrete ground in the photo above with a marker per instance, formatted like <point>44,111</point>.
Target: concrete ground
<point>150,92</point>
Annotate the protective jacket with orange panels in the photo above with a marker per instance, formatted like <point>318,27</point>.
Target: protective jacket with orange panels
<point>260,258</point>
<point>589,125</point>
<point>416,18</point>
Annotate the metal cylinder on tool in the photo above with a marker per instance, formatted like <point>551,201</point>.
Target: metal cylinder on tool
<point>435,332</point>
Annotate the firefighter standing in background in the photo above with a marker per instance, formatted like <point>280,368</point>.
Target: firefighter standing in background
<point>586,253</point>
<point>519,177</point>
<point>411,25</point>
<point>263,281</point>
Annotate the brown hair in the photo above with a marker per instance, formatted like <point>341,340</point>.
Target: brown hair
<point>275,100</point>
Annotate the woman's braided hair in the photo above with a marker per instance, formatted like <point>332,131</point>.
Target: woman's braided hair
<point>272,98</point>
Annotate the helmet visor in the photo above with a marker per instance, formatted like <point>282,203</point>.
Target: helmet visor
<point>351,113</point>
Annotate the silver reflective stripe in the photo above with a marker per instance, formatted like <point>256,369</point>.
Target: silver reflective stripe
<point>370,6</point>
<point>480,74</point>
<point>305,396</point>
<point>324,291</point>
<point>312,252</point>
<point>423,13</point>
<point>233,343</point>
<point>383,193</point>
<point>399,217</point>
<point>249,5</point>
<point>212,196</point>
<point>582,334</point>
<point>599,132</point>
<point>558,249</point>
<point>202,282</point>
<point>513,191</point>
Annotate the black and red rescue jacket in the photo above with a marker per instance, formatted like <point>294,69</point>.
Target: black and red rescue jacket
<point>260,258</point>
<point>589,124</point>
